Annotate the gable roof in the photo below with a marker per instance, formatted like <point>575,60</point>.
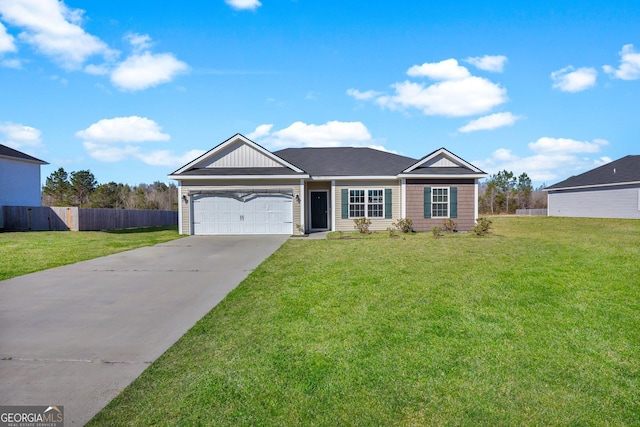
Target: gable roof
<point>240,158</point>
<point>346,161</point>
<point>442,164</point>
<point>10,153</point>
<point>619,172</point>
<point>236,157</point>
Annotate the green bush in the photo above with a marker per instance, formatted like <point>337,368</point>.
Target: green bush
<point>482,226</point>
<point>437,232</point>
<point>362,225</point>
<point>404,225</point>
<point>449,225</point>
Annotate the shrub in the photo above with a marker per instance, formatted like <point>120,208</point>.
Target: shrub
<point>393,231</point>
<point>437,232</point>
<point>450,225</point>
<point>362,225</point>
<point>482,226</point>
<point>404,225</point>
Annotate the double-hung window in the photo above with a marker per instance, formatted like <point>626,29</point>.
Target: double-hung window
<point>440,202</point>
<point>366,203</point>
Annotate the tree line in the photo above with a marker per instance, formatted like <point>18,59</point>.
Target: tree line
<point>504,193</point>
<point>80,188</point>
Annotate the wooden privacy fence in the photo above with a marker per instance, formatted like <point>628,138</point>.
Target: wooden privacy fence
<point>41,218</point>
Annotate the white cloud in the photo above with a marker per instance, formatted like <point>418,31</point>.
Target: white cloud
<point>553,159</point>
<point>629,68</point>
<point>491,121</point>
<point>362,96</point>
<point>139,41</point>
<point>11,63</point>
<point>123,129</point>
<point>493,63</point>
<point>141,71</point>
<point>18,136</point>
<point>456,92</point>
<point>244,4</point>
<point>569,79</point>
<point>6,40</point>
<point>452,98</point>
<point>261,131</point>
<point>443,70</point>
<point>549,145</point>
<point>54,29</point>
<point>330,134</point>
<point>115,140</point>
<point>168,158</point>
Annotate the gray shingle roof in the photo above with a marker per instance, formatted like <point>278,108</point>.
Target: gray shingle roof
<point>10,152</point>
<point>624,170</point>
<point>346,161</point>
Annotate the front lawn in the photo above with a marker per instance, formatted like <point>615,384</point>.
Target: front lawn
<point>535,324</point>
<point>27,252</point>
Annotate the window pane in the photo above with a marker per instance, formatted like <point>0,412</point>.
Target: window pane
<point>440,202</point>
<point>376,203</point>
<point>356,204</point>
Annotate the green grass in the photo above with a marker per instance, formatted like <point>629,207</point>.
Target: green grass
<point>535,324</point>
<point>27,252</point>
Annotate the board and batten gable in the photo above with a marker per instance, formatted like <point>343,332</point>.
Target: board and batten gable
<point>604,202</point>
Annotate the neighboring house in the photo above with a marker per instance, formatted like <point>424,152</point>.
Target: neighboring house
<point>240,187</point>
<point>609,191</point>
<point>19,179</point>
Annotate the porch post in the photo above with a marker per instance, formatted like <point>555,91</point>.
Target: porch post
<point>333,205</point>
<point>302,209</point>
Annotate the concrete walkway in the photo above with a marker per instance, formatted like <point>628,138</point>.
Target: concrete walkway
<point>77,335</point>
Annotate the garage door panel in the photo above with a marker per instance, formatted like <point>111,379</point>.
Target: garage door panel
<point>261,214</point>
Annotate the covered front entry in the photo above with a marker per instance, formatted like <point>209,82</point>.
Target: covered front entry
<point>234,214</point>
<point>319,209</point>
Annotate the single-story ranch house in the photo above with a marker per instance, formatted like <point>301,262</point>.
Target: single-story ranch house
<point>19,179</point>
<point>609,191</point>
<point>240,187</point>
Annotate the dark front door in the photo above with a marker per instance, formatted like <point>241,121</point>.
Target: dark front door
<point>318,210</point>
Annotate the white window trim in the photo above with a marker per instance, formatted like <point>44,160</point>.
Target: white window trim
<point>366,203</point>
<point>448,202</point>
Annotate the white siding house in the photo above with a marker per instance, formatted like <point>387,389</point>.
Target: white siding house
<point>19,179</point>
<point>609,191</point>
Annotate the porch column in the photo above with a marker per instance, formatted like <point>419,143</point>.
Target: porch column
<point>302,209</point>
<point>403,198</point>
<point>333,205</point>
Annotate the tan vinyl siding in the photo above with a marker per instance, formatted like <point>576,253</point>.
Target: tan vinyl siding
<point>377,224</point>
<point>415,203</point>
<point>294,185</point>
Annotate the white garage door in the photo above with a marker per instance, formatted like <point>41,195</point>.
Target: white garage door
<point>259,214</point>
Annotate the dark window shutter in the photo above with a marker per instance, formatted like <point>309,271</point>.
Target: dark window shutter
<point>345,203</point>
<point>427,202</point>
<point>453,205</point>
<point>387,203</point>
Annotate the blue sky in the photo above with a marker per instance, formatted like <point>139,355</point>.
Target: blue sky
<point>132,90</point>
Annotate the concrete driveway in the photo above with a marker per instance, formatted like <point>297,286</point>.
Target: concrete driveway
<point>77,335</point>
